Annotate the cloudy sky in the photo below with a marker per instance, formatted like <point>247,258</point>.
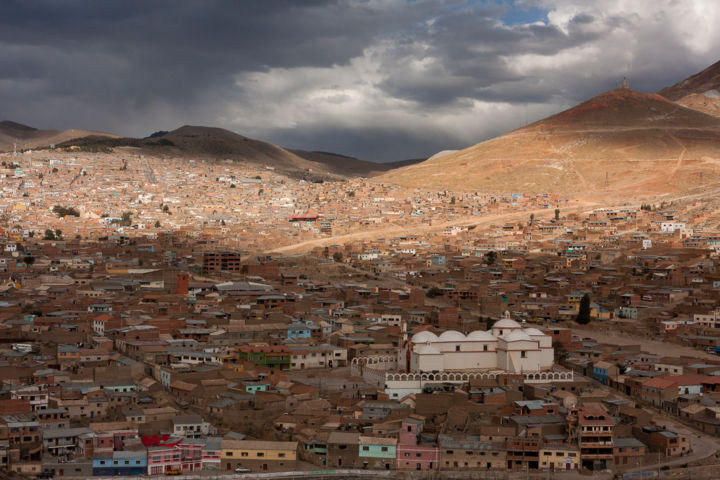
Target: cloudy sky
<point>378,79</point>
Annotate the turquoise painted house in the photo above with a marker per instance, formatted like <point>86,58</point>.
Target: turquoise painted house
<point>377,452</point>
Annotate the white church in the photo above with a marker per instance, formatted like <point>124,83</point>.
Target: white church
<point>507,346</point>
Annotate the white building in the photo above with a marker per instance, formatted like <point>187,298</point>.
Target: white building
<point>710,320</point>
<point>507,347</point>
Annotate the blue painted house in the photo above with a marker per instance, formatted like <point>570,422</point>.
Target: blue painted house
<point>300,330</point>
<point>121,464</point>
<point>603,370</point>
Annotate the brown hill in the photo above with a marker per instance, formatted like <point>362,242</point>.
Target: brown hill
<point>218,143</point>
<point>28,137</point>
<point>618,142</point>
<point>700,92</point>
<point>352,165</point>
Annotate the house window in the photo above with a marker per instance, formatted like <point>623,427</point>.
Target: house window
<point>484,348</point>
<point>523,354</point>
<point>260,454</point>
<point>384,449</point>
<point>457,348</point>
<point>366,449</point>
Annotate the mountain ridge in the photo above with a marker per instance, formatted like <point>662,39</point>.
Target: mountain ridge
<point>617,141</point>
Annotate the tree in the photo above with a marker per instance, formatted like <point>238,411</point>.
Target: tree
<point>58,234</point>
<point>49,235</point>
<point>29,260</point>
<point>532,218</point>
<point>434,292</point>
<point>61,211</point>
<point>583,317</point>
<point>557,214</point>
<point>491,257</point>
<point>452,201</point>
<point>338,257</point>
<point>157,223</point>
<point>126,219</point>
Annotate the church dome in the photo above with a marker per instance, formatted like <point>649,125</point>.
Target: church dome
<point>506,324</point>
<point>515,336</point>
<point>424,337</point>
<point>451,336</point>
<point>534,332</point>
<point>480,336</point>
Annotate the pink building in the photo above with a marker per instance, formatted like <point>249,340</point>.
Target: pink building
<point>410,455</point>
<point>211,454</point>
<point>113,439</point>
<point>189,455</point>
<point>162,459</point>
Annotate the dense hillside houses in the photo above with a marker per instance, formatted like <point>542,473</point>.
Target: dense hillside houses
<point>189,346</point>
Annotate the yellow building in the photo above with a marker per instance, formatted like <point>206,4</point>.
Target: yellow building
<point>258,456</point>
<point>559,457</point>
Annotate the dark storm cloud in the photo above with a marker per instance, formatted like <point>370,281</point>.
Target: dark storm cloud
<point>379,79</point>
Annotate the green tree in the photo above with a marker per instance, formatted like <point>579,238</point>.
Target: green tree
<point>557,214</point>
<point>434,292</point>
<point>583,317</point>
<point>491,257</point>
<point>58,234</point>
<point>157,223</point>
<point>49,235</point>
<point>532,218</point>
<point>126,219</point>
<point>29,260</point>
<point>338,257</point>
<point>61,211</point>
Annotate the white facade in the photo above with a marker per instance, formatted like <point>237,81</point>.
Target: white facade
<point>507,347</point>
<point>671,226</point>
<point>710,320</point>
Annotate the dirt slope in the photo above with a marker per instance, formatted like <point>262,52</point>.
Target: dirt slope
<point>28,137</point>
<point>618,142</point>
<point>700,92</point>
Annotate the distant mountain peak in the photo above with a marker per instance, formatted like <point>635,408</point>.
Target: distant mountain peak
<point>10,125</point>
<point>698,92</point>
<point>708,79</point>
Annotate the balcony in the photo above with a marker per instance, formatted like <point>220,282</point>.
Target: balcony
<point>595,443</point>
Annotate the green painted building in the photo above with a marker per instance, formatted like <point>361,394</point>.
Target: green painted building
<point>273,356</point>
<point>377,452</point>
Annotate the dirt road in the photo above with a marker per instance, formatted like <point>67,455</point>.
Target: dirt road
<point>648,344</point>
<point>398,230</point>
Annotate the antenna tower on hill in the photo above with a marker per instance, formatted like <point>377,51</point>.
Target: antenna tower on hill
<point>625,83</point>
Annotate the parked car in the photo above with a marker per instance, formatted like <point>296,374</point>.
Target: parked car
<point>241,469</point>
